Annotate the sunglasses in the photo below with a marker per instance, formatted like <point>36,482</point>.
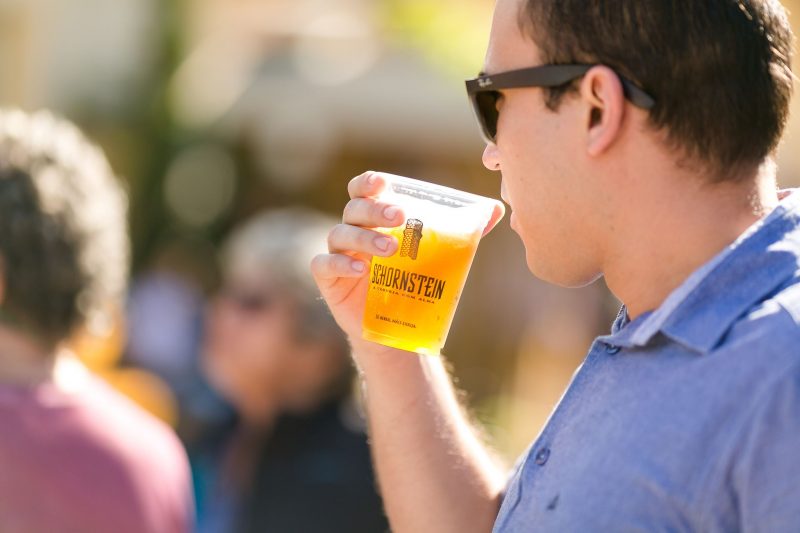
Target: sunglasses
<point>247,301</point>
<point>484,90</point>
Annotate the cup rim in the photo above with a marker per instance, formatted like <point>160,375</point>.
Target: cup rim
<point>428,186</point>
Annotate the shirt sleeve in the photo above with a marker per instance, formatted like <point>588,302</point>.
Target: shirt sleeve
<point>767,475</point>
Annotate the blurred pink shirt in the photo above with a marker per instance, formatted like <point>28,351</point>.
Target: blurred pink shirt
<point>88,461</point>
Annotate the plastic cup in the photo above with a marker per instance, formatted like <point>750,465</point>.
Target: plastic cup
<point>413,294</point>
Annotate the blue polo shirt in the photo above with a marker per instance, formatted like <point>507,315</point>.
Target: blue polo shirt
<point>687,418</point>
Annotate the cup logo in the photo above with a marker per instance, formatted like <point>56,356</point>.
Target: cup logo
<point>411,237</point>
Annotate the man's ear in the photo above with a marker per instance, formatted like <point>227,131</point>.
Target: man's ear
<point>602,89</point>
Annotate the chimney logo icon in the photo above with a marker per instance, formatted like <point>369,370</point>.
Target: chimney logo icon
<point>411,237</point>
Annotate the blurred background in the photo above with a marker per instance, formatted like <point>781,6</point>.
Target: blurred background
<point>211,110</point>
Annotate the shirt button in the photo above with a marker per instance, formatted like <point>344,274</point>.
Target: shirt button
<point>542,456</point>
<point>612,349</point>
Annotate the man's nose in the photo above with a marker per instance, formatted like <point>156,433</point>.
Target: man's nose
<point>491,157</point>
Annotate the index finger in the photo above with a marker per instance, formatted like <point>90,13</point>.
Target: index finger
<point>368,185</point>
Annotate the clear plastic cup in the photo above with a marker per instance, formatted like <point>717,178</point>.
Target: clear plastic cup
<point>413,294</point>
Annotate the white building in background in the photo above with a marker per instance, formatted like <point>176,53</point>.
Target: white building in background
<point>343,77</point>
<point>66,53</point>
<point>308,79</point>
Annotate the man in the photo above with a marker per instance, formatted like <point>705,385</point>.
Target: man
<point>651,166</point>
<point>74,455</point>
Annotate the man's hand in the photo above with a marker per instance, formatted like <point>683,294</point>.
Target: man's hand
<point>341,274</point>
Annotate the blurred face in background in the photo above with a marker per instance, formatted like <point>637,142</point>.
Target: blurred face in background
<point>271,346</point>
<point>253,355</point>
<point>250,342</point>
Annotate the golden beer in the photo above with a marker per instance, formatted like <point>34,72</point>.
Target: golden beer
<point>413,294</point>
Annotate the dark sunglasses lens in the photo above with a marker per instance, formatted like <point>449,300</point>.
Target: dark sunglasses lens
<point>486,108</point>
<point>248,302</point>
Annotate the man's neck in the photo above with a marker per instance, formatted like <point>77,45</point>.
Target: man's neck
<point>23,361</point>
<point>675,226</point>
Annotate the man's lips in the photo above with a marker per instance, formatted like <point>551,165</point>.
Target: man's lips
<point>503,194</point>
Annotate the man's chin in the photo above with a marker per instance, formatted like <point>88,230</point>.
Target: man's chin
<point>561,275</point>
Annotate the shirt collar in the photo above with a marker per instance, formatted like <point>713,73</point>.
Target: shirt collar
<point>703,308</point>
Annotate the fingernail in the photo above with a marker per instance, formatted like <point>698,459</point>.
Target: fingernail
<point>390,212</point>
<point>383,243</point>
<point>371,178</point>
<point>358,266</point>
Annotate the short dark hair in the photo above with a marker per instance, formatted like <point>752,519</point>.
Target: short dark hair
<point>63,231</point>
<point>719,70</point>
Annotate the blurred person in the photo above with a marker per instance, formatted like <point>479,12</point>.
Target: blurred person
<point>75,456</point>
<point>296,458</point>
<point>635,140</point>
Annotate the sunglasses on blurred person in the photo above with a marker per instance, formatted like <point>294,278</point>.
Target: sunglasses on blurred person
<point>484,90</point>
<point>248,301</point>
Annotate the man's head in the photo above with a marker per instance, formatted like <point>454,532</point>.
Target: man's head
<point>270,338</point>
<point>719,70</point>
<point>63,240</point>
<point>719,74</point>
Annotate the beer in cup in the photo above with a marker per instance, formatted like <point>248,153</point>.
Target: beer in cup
<point>413,294</point>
